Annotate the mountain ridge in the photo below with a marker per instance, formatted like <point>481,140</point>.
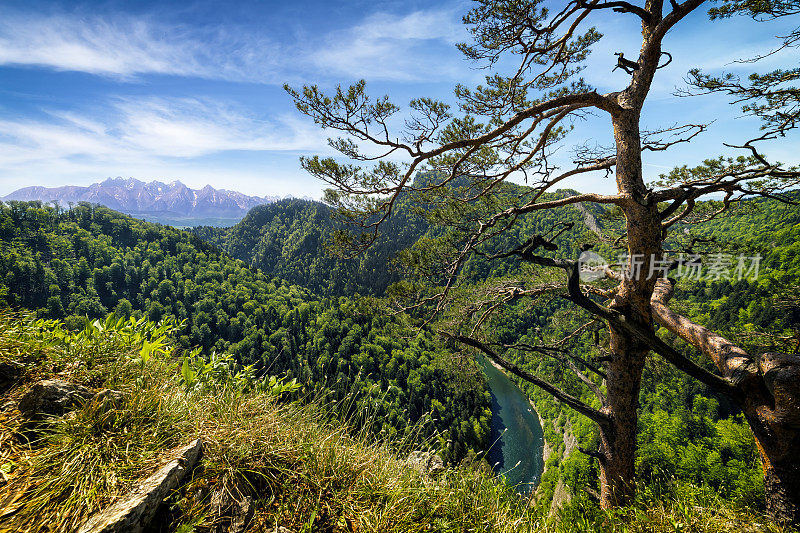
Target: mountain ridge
<point>155,200</point>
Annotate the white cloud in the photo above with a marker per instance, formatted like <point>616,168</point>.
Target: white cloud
<point>193,128</point>
<point>153,136</point>
<point>413,47</point>
<point>123,47</point>
<point>438,24</point>
<point>383,46</point>
<point>157,127</point>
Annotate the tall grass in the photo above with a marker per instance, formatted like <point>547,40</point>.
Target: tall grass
<point>312,464</point>
<point>305,464</point>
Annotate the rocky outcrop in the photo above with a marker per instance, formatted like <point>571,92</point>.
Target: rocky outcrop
<point>561,494</point>
<point>53,397</point>
<point>133,513</point>
<point>232,506</point>
<point>427,463</point>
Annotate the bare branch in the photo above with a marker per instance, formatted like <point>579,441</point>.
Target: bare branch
<point>558,354</point>
<point>619,7</point>
<point>576,404</point>
<point>652,142</point>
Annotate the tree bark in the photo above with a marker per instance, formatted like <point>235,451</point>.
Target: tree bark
<point>768,393</point>
<point>618,439</point>
<point>772,408</point>
<point>624,371</point>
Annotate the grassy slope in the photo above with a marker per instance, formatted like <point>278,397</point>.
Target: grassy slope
<point>90,261</point>
<point>305,470</point>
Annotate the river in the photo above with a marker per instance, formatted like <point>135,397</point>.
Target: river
<point>516,433</point>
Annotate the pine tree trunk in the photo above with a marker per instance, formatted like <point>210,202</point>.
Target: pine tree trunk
<point>624,371</point>
<point>778,445</point>
<point>775,421</point>
<point>644,235</point>
<point>618,441</point>
<point>782,486</point>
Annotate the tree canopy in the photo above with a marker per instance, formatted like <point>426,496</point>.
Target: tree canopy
<point>90,261</point>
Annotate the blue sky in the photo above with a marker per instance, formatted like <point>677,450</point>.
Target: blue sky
<point>193,90</point>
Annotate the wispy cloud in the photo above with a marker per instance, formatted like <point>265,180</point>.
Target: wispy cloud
<point>123,47</point>
<point>382,46</point>
<point>195,127</point>
<point>408,48</point>
<point>154,130</point>
<point>199,141</point>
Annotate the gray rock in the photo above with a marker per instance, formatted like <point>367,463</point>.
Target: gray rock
<point>9,374</point>
<point>134,512</point>
<point>113,398</point>
<point>242,515</point>
<point>53,397</point>
<point>427,463</point>
<point>232,507</point>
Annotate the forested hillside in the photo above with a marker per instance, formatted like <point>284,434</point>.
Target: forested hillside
<point>290,239</point>
<point>292,463</point>
<point>552,284</point>
<point>690,438</point>
<point>91,261</point>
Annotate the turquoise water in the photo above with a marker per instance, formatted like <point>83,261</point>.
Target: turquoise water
<point>516,432</point>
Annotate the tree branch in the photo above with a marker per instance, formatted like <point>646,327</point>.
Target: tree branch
<point>731,360</point>
<point>679,11</point>
<point>571,401</point>
<point>619,7</point>
<point>648,337</point>
<point>597,455</point>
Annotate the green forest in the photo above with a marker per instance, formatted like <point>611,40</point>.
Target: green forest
<point>90,261</point>
<point>93,262</point>
<point>548,282</point>
<point>292,240</point>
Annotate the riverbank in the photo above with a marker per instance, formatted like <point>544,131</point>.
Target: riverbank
<point>561,495</point>
<point>518,441</point>
<point>547,450</point>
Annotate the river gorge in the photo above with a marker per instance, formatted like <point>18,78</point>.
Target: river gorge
<point>517,438</point>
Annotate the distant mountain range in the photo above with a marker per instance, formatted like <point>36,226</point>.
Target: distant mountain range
<point>169,203</point>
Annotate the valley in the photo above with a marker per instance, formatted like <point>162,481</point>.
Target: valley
<point>90,261</point>
<point>496,266</point>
